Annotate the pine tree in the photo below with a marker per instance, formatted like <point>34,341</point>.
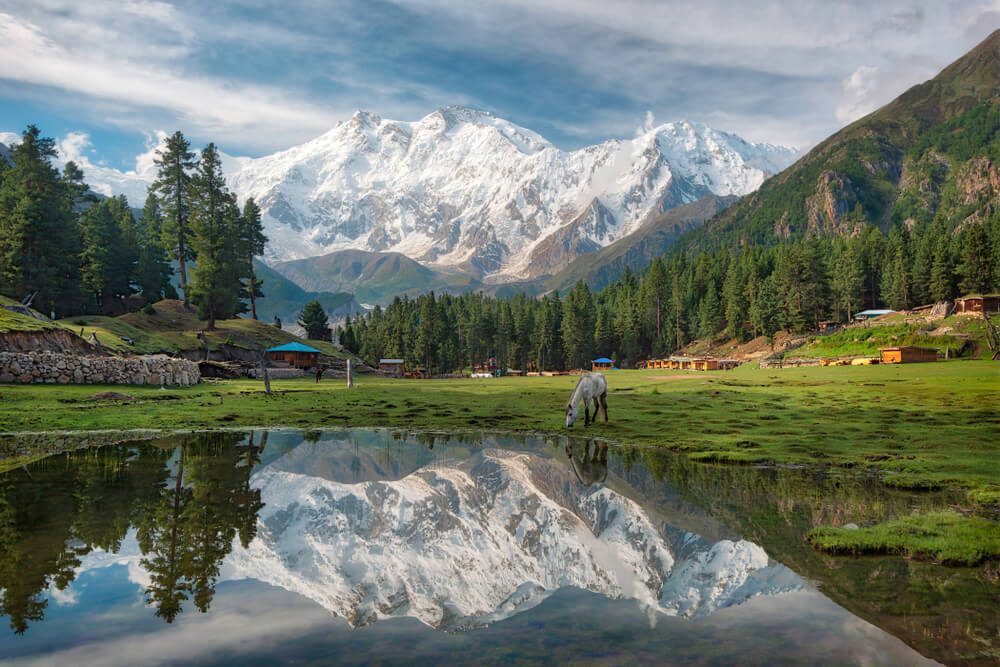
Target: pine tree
<point>214,225</point>
<point>578,326</point>
<point>314,320</point>
<point>252,242</point>
<point>428,330</point>
<point>766,312</point>
<point>976,270</point>
<point>942,272</point>
<point>175,162</point>
<point>153,271</point>
<point>710,314</point>
<point>39,239</point>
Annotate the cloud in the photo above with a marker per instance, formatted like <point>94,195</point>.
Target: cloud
<point>255,77</point>
<point>859,90</point>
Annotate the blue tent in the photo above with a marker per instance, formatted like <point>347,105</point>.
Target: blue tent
<point>602,360</point>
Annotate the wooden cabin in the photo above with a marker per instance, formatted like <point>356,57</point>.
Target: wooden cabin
<point>391,367</point>
<point>728,364</point>
<point>907,354</point>
<point>602,364</point>
<point>295,354</point>
<point>978,303</point>
<point>706,364</point>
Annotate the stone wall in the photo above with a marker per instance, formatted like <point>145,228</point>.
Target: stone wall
<point>55,368</point>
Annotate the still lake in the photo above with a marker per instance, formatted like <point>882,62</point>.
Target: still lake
<point>381,546</point>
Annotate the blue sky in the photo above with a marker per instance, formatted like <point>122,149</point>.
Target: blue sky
<point>258,76</point>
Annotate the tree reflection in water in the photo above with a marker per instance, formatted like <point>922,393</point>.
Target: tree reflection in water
<point>57,510</point>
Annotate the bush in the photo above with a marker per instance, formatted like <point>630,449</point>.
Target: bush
<point>148,309</point>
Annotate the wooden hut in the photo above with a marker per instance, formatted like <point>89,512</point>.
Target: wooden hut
<point>706,364</point>
<point>602,364</point>
<point>295,354</point>
<point>393,367</point>
<point>978,303</point>
<point>907,354</point>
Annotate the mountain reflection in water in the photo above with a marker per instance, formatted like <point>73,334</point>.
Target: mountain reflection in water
<point>459,533</point>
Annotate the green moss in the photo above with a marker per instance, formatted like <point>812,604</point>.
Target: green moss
<point>947,537</point>
<point>987,496</point>
<point>915,482</point>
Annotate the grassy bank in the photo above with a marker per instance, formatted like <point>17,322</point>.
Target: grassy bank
<point>922,426</point>
<point>943,536</point>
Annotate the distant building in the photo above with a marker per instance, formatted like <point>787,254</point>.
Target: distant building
<point>393,367</point>
<point>978,303</point>
<point>602,364</point>
<point>907,354</point>
<point>295,354</point>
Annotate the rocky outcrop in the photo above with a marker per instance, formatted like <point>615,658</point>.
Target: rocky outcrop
<point>56,368</point>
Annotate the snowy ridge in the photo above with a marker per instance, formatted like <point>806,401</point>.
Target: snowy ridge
<point>461,545</point>
<point>462,189</point>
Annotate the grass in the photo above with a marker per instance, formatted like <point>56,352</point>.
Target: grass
<point>946,537</point>
<point>172,328</point>
<point>13,322</point>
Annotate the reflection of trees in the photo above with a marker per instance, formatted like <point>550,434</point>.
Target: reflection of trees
<point>55,511</point>
<point>187,532</point>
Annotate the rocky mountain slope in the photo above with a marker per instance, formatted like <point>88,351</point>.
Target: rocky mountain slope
<point>602,267</point>
<point>373,277</point>
<point>464,190</point>
<point>932,155</point>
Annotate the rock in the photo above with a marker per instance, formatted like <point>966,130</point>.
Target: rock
<point>850,526</point>
<point>6,378</point>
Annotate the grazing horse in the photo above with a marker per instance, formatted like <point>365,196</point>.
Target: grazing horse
<point>591,387</point>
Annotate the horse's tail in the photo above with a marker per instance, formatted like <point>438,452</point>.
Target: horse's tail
<point>604,406</point>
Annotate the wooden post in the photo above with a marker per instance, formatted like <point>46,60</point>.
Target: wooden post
<point>263,370</point>
<point>350,375</point>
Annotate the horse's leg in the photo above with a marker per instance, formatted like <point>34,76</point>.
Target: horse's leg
<point>586,414</point>
<point>604,406</point>
<point>597,408</point>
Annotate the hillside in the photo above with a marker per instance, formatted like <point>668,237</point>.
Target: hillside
<point>173,329</point>
<point>932,154</point>
<point>285,299</point>
<point>373,277</point>
<point>602,267</point>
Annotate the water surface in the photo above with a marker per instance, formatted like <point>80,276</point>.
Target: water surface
<point>378,546</point>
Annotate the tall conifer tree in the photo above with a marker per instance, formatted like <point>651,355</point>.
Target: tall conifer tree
<point>175,162</point>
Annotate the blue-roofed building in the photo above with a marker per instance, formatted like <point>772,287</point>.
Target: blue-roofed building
<point>602,364</point>
<point>295,354</point>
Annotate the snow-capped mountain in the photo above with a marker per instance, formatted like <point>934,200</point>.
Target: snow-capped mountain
<point>461,544</point>
<point>463,189</point>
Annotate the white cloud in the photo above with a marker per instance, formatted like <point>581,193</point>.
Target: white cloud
<point>860,94</point>
<point>132,183</point>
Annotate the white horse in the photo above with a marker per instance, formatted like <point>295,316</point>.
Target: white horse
<point>591,387</point>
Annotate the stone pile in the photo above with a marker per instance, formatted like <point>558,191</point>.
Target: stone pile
<point>56,368</point>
